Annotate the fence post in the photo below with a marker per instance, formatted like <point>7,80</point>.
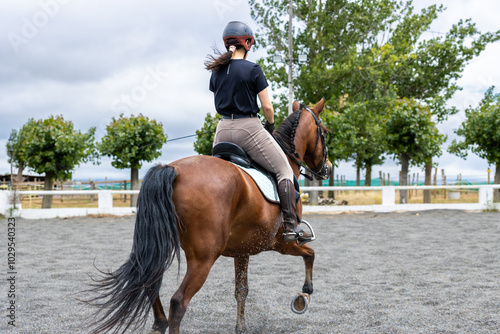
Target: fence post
<point>388,195</point>
<point>313,194</point>
<point>416,184</point>
<point>125,188</point>
<point>105,201</point>
<point>444,183</point>
<point>91,187</point>
<point>4,202</point>
<point>485,195</point>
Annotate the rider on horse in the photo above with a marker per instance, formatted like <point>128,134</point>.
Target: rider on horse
<point>236,84</point>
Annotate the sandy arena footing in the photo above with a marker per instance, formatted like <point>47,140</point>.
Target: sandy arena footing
<point>409,272</point>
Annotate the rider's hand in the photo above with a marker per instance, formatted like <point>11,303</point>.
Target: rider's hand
<point>269,127</point>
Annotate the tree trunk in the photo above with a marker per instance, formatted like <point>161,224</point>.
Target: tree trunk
<point>358,176</point>
<point>428,180</point>
<point>331,183</point>
<point>134,185</point>
<point>496,192</point>
<point>19,179</point>
<point>48,185</point>
<point>403,194</point>
<point>368,177</point>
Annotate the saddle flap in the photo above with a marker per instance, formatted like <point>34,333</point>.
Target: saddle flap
<point>231,152</point>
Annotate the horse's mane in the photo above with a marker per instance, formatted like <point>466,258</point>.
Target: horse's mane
<point>285,133</point>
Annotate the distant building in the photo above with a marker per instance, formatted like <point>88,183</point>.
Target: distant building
<point>26,178</point>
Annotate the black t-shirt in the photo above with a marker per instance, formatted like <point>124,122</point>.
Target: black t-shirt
<point>236,86</point>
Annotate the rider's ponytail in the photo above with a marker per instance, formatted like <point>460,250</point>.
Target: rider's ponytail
<point>213,64</point>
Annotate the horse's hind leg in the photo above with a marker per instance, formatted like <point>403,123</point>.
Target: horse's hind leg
<point>161,324</point>
<point>196,275</point>
<point>241,290</point>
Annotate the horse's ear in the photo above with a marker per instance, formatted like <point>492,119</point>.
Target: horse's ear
<point>295,106</point>
<point>319,106</point>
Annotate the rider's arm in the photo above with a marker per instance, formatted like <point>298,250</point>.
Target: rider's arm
<point>267,106</point>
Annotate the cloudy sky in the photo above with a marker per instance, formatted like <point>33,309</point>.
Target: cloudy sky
<point>92,60</point>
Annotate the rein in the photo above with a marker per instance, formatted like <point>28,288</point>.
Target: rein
<point>293,156</point>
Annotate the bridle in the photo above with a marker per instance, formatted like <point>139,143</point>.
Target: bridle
<point>320,171</point>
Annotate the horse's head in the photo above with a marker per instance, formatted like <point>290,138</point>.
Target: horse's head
<point>316,153</point>
<point>302,137</point>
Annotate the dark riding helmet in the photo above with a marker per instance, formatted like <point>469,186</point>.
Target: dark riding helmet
<point>237,33</point>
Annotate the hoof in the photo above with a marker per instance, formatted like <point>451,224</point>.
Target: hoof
<point>308,288</point>
<point>240,330</point>
<point>300,303</point>
<point>159,328</point>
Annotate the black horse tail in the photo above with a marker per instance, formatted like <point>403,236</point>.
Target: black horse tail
<point>126,295</point>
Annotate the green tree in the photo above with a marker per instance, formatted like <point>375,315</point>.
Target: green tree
<point>53,146</point>
<point>365,120</point>
<point>205,136</point>
<point>481,133</point>
<point>370,50</point>
<point>340,136</point>
<point>130,141</point>
<point>364,48</point>
<point>411,136</point>
<point>19,147</point>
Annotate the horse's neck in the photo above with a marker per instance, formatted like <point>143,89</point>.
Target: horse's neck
<point>300,149</point>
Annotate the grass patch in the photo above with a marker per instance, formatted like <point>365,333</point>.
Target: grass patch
<point>368,197</point>
<point>373,197</point>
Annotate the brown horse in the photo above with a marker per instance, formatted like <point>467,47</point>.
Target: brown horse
<point>207,214</point>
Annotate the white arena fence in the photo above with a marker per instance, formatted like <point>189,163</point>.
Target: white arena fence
<point>105,201</point>
<point>485,201</point>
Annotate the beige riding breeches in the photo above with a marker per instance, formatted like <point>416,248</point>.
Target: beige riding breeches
<point>260,146</point>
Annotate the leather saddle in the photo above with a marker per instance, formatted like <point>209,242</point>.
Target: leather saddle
<point>235,154</point>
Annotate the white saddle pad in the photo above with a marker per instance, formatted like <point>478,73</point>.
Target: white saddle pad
<point>266,186</point>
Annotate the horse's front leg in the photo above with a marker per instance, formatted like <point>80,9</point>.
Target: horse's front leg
<point>241,290</point>
<point>308,256</point>
<point>307,253</point>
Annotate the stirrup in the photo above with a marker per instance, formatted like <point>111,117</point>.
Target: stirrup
<point>313,235</point>
<point>296,236</point>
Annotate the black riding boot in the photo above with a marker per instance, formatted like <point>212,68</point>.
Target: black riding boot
<point>291,229</point>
